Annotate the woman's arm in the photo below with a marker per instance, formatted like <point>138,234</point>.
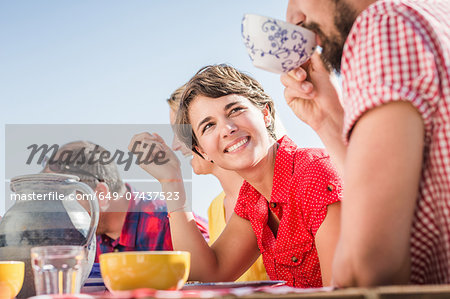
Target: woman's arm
<point>227,259</point>
<point>234,251</point>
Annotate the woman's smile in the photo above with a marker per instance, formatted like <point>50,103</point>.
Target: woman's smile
<point>237,145</point>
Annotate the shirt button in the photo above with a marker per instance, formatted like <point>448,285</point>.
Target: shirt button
<point>294,259</point>
<point>273,205</point>
<point>330,187</point>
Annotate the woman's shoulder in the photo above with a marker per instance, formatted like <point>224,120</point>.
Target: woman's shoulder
<point>311,154</point>
<point>309,157</point>
<point>301,154</point>
<point>303,159</point>
<point>314,164</point>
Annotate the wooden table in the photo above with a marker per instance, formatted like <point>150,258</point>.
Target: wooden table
<point>391,292</point>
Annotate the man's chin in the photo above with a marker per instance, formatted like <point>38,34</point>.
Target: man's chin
<point>331,57</point>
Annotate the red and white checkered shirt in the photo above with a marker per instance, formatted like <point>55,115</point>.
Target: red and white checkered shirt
<point>400,50</point>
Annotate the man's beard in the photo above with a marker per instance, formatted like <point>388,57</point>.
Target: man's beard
<point>333,46</point>
<point>332,50</point>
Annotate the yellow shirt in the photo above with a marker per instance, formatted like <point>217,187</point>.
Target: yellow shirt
<point>216,223</point>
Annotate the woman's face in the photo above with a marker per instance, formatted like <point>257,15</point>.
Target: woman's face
<point>230,130</point>
<point>199,165</point>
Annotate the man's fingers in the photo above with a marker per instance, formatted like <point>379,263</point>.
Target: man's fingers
<point>299,73</point>
<point>307,87</point>
<point>291,94</point>
<point>289,81</point>
<point>317,64</point>
<point>303,87</point>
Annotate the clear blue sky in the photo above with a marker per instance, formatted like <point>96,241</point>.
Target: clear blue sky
<point>115,62</point>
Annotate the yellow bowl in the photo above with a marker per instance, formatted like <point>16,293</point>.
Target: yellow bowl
<point>11,279</point>
<point>161,270</point>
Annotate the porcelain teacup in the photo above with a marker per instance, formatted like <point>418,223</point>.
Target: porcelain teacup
<point>275,45</point>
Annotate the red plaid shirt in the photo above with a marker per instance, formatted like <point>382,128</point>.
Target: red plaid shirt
<point>400,50</point>
<point>304,184</point>
<point>146,230</point>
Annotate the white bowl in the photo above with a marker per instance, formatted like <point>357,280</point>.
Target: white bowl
<point>275,45</point>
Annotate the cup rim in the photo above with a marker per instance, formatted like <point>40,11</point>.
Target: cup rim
<point>11,263</point>
<point>162,252</point>
<point>279,20</point>
<point>57,250</point>
<point>57,247</point>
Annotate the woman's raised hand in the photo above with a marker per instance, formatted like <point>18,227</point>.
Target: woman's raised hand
<point>155,157</point>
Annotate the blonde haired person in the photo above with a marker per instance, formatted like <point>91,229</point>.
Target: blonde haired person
<point>221,207</point>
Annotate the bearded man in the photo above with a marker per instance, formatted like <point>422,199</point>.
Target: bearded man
<point>388,133</point>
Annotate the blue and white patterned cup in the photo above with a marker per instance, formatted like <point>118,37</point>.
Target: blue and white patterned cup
<point>275,45</point>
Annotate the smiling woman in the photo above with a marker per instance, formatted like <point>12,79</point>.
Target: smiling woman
<point>288,207</point>
<point>243,125</point>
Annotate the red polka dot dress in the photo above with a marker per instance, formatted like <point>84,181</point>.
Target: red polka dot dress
<point>304,184</point>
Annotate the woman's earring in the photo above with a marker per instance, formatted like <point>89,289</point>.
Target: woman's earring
<point>207,158</point>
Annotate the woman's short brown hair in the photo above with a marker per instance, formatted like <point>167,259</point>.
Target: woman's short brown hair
<point>215,81</point>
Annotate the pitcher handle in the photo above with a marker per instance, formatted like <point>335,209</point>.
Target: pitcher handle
<point>93,205</point>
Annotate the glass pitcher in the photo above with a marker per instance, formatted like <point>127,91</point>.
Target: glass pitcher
<point>46,212</point>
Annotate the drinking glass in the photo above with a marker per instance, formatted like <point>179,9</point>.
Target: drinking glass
<point>58,269</point>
